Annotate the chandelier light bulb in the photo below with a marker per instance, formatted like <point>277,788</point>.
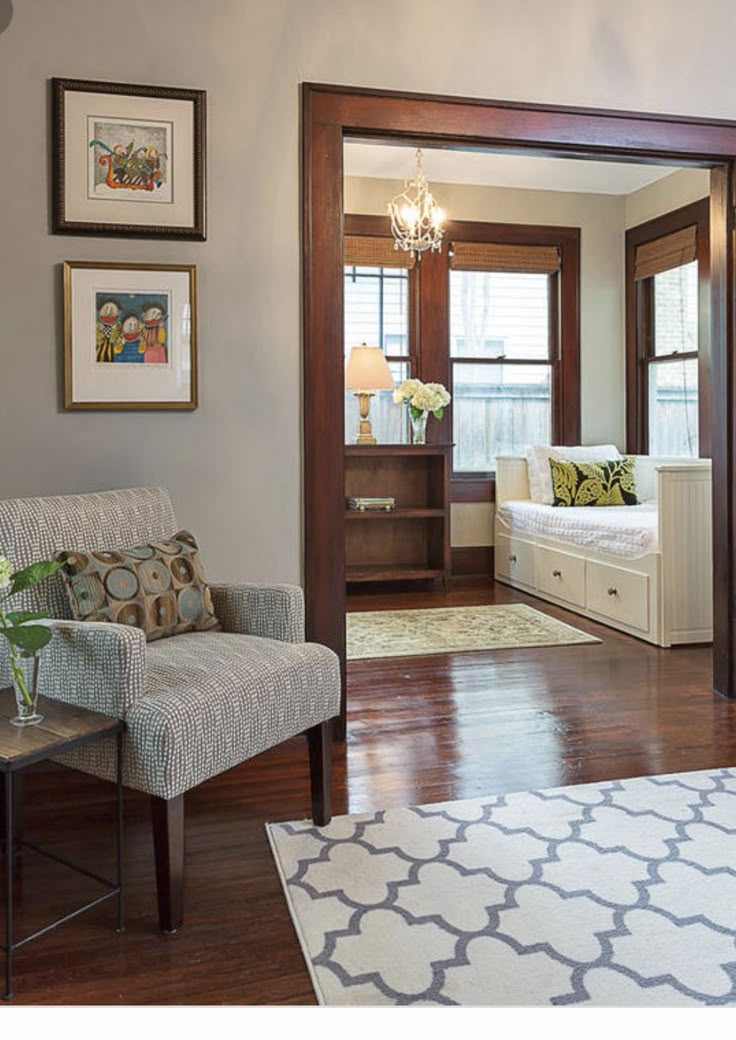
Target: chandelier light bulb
<point>416,219</point>
<point>410,215</point>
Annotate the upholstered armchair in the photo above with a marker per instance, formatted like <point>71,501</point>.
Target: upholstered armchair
<point>194,704</point>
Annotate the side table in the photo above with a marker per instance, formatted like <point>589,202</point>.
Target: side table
<point>64,727</point>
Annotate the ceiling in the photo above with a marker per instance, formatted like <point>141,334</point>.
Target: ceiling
<point>497,169</point>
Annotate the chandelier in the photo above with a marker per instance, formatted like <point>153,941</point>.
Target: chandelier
<point>416,219</point>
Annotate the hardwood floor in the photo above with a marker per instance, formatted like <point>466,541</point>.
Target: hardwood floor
<point>420,730</point>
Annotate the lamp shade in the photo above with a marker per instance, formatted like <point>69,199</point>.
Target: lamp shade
<point>367,369</point>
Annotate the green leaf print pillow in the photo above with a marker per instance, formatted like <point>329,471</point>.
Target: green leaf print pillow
<point>594,483</point>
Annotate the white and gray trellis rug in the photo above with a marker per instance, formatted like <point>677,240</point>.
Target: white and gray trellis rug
<point>620,893</point>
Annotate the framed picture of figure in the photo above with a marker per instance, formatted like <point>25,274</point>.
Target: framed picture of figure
<point>128,160</point>
<point>130,336</point>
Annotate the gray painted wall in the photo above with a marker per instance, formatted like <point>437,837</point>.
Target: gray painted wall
<point>234,466</point>
<point>679,189</point>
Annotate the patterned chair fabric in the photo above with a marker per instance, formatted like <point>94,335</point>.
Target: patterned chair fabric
<point>213,700</point>
<point>35,528</point>
<point>195,704</point>
<point>273,611</point>
<point>98,665</point>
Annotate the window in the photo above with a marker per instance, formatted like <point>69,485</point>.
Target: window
<point>504,352</point>
<point>667,395</point>
<point>501,356</point>
<point>377,313</point>
<point>494,316</point>
<point>672,367</point>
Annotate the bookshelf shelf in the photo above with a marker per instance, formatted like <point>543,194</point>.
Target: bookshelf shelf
<point>411,542</point>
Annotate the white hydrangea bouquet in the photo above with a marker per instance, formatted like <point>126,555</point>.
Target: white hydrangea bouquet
<point>422,399</point>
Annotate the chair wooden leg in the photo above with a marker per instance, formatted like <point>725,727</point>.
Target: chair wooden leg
<point>320,771</point>
<point>167,816</point>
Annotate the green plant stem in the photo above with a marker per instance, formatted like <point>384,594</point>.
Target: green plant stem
<point>15,668</point>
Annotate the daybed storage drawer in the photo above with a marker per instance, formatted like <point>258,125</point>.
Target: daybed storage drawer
<point>619,594</point>
<point>561,574</point>
<point>515,559</point>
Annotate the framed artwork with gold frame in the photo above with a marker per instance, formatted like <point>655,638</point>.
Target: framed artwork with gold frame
<point>130,336</point>
<point>128,159</point>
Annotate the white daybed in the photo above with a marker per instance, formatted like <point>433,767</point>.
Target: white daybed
<point>646,569</point>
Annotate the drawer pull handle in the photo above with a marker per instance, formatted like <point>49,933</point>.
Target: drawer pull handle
<point>612,590</point>
<point>556,574</point>
<point>512,558</point>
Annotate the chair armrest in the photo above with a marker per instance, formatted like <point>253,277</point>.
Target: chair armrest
<point>94,665</point>
<point>272,611</point>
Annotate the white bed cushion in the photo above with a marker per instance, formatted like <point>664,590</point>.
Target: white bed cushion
<point>619,530</point>
<point>537,464</point>
<point>645,473</point>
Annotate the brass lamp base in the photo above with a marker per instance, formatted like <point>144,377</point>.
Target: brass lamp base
<point>365,429</point>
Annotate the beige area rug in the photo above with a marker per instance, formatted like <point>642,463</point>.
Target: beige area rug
<point>403,633</point>
<point>620,893</point>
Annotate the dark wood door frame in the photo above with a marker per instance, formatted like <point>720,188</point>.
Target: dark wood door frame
<point>332,113</point>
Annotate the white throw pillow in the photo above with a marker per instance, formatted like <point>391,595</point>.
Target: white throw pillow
<point>645,474</point>
<point>537,464</point>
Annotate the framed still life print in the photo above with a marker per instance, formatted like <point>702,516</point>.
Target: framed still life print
<point>130,336</point>
<point>128,160</point>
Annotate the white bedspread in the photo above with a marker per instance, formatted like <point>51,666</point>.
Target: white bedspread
<point>620,530</point>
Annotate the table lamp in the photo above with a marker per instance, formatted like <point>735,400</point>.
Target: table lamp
<point>367,371</point>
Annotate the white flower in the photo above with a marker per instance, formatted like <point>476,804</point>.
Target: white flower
<point>430,397</point>
<point>423,399</point>
<point>442,394</point>
<point>406,390</point>
<point>6,572</point>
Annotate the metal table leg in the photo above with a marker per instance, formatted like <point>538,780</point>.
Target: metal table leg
<point>9,872</point>
<point>119,837</point>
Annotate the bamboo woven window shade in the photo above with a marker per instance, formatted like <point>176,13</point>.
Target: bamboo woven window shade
<point>495,256</point>
<point>371,251</point>
<point>662,254</point>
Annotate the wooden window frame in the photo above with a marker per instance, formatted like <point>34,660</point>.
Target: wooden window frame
<point>640,326</point>
<point>380,227</point>
<point>330,114</point>
<point>564,335</point>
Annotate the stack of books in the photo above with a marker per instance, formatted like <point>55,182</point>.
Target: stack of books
<point>362,504</point>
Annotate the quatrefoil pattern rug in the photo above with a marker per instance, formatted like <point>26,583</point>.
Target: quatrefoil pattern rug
<point>614,894</point>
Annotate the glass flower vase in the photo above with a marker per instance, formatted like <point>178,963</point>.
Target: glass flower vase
<point>25,685</point>
<point>418,428</point>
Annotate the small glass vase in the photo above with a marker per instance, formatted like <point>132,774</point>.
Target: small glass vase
<point>26,694</point>
<point>419,428</point>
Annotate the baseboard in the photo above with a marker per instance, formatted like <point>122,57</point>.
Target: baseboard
<point>474,562</point>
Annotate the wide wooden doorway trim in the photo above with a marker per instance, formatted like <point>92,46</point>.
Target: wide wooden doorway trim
<point>332,113</point>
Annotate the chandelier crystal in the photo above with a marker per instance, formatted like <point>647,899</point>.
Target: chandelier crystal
<point>416,219</point>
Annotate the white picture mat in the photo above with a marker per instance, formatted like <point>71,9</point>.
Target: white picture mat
<point>113,383</point>
<point>78,106</point>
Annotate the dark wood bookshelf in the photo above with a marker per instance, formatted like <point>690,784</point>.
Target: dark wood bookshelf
<point>411,542</point>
